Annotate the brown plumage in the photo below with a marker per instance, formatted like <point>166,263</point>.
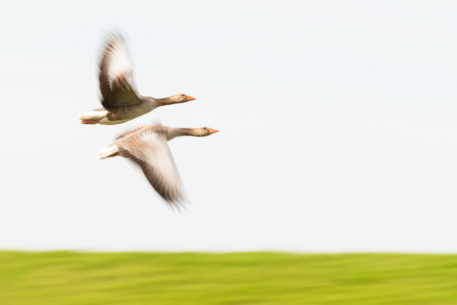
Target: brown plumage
<point>120,99</point>
<point>147,147</point>
<point>116,77</point>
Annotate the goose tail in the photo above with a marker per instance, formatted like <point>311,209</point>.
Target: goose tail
<point>108,152</point>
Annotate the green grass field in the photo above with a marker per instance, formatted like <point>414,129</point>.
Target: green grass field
<point>61,278</point>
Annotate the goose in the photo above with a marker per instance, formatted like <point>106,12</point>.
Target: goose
<point>147,147</point>
<point>120,100</point>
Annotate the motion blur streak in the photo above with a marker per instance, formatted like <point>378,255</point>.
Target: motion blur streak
<point>63,278</point>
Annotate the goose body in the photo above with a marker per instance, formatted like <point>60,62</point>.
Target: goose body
<point>120,100</point>
<point>147,147</point>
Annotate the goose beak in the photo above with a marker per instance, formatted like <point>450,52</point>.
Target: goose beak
<point>213,131</point>
<point>189,98</point>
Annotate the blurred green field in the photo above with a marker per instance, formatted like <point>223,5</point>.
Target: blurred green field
<point>35,278</point>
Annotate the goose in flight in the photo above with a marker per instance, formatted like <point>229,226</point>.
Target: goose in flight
<point>120,100</point>
<point>147,147</point>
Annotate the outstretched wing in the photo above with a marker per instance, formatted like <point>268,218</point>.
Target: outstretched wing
<point>151,153</point>
<point>115,76</point>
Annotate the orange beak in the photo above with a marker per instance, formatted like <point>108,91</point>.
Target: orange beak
<point>190,98</point>
<point>213,131</point>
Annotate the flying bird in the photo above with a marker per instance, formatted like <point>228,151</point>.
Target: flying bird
<point>147,147</point>
<point>120,100</point>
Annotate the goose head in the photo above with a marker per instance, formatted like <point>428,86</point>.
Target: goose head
<point>204,131</point>
<point>195,132</point>
<point>179,98</point>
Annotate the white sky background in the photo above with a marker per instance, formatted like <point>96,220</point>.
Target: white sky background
<point>338,125</point>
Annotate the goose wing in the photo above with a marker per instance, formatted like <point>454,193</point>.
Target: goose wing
<point>151,153</point>
<point>115,76</point>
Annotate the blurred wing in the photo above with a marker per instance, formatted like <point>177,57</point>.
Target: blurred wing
<point>155,127</point>
<point>150,152</point>
<point>116,77</point>
<point>129,132</point>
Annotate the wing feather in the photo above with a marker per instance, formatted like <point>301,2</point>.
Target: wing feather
<point>152,154</point>
<point>116,75</point>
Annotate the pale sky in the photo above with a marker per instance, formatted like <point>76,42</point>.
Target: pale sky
<point>338,126</point>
